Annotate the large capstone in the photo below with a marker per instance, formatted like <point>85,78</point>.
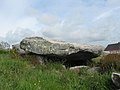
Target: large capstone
<point>38,45</point>
<point>67,52</point>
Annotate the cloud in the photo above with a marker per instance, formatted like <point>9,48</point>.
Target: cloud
<point>113,2</point>
<point>18,35</point>
<point>11,11</point>
<point>106,14</point>
<point>109,27</point>
<point>46,18</point>
<point>82,21</point>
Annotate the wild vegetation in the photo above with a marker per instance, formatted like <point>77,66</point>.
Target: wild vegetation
<point>18,73</point>
<point>111,61</point>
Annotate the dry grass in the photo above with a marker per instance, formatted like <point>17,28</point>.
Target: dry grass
<point>111,61</point>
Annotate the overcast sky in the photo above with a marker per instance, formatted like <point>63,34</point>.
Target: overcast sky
<point>80,21</point>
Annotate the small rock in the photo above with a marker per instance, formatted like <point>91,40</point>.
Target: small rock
<point>76,69</point>
<point>116,79</point>
<point>94,70</point>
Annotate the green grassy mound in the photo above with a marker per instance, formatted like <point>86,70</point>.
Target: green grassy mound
<point>17,73</point>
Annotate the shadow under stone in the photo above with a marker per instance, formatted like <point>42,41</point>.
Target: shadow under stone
<point>75,59</point>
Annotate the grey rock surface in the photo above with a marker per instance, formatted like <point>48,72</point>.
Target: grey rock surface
<point>70,54</point>
<point>17,48</point>
<point>4,45</point>
<point>94,70</point>
<point>116,79</point>
<point>39,45</point>
<point>77,69</point>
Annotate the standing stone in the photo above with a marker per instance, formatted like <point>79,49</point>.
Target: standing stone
<point>17,48</point>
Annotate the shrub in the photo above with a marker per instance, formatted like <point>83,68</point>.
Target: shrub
<point>111,61</point>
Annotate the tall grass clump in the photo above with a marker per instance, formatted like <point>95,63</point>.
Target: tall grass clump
<point>96,81</point>
<point>20,74</point>
<point>111,61</point>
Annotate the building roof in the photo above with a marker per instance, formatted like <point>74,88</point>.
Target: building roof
<point>112,47</point>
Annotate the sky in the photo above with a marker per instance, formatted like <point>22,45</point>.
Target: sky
<point>79,21</point>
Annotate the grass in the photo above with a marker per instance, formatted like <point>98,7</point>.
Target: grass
<point>18,73</point>
<point>97,59</point>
